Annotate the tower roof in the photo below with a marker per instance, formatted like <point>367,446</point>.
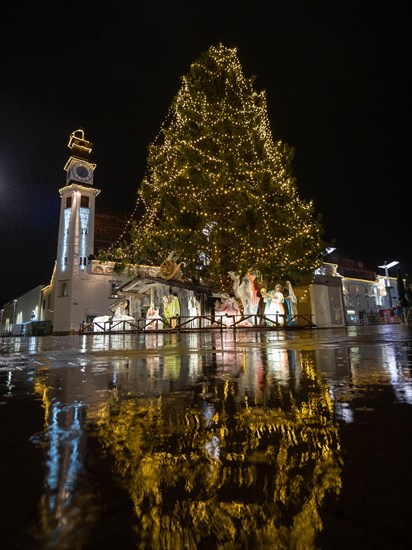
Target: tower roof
<point>80,146</point>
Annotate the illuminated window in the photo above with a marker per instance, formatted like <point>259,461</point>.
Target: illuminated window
<point>84,220</point>
<point>65,241</point>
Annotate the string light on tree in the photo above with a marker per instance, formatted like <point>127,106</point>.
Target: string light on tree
<point>215,165</point>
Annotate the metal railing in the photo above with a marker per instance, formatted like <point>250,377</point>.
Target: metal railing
<point>199,323</point>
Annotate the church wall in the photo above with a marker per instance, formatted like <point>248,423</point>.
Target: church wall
<point>47,307</point>
<point>91,296</point>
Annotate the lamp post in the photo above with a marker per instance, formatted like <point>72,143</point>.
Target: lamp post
<point>386,266</point>
<point>14,315</point>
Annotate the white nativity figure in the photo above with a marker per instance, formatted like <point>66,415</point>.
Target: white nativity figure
<point>274,308</point>
<point>246,292</point>
<point>193,310</point>
<point>114,323</point>
<point>153,319</point>
<point>101,323</point>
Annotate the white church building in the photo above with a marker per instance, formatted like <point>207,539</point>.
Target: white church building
<point>80,287</point>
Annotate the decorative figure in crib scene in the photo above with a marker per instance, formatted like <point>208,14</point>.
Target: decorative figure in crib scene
<point>246,292</point>
<point>166,313</point>
<point>193,308</point>
<point>253,277</point>
<point>290,301</point>
<point>120,313</point>
<point>227,311</point>
<point>103,323</point>
<point>170,269</point>
<point>153,319</point>
<point>171,310</point>
<point>274,308</point>
<point>258,285</point>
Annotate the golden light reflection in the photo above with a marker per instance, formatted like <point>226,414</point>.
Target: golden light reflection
<point>211,464</point>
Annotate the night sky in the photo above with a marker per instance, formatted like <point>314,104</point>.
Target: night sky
<point>337,82</point>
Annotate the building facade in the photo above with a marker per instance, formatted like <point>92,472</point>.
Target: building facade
<point>368,298</point>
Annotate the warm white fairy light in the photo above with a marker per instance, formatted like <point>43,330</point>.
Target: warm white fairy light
<point>215,165</point>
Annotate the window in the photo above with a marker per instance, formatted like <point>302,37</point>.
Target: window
<point>68,202</point>
<point>84,202</point>
<point>114,289</point>
<point>64,288</point>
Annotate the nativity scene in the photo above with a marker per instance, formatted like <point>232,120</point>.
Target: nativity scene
<point>164,298</point>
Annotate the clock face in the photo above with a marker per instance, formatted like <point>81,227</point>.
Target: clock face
<point>82,172</point>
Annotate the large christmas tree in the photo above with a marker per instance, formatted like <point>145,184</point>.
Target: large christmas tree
<point>219,191</point>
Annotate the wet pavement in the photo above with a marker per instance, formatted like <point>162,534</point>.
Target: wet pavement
<point>254,439</point>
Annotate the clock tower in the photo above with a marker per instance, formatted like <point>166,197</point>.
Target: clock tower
<point>76,235</point>
<point>79,169</point>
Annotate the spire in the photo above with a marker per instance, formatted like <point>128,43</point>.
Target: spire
<point>79,145</point>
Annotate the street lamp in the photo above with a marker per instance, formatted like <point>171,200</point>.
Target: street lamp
<point>14,315</point>
<point>386,266</point>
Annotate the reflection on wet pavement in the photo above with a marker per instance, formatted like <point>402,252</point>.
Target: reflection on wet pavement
<point>219,440</point>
